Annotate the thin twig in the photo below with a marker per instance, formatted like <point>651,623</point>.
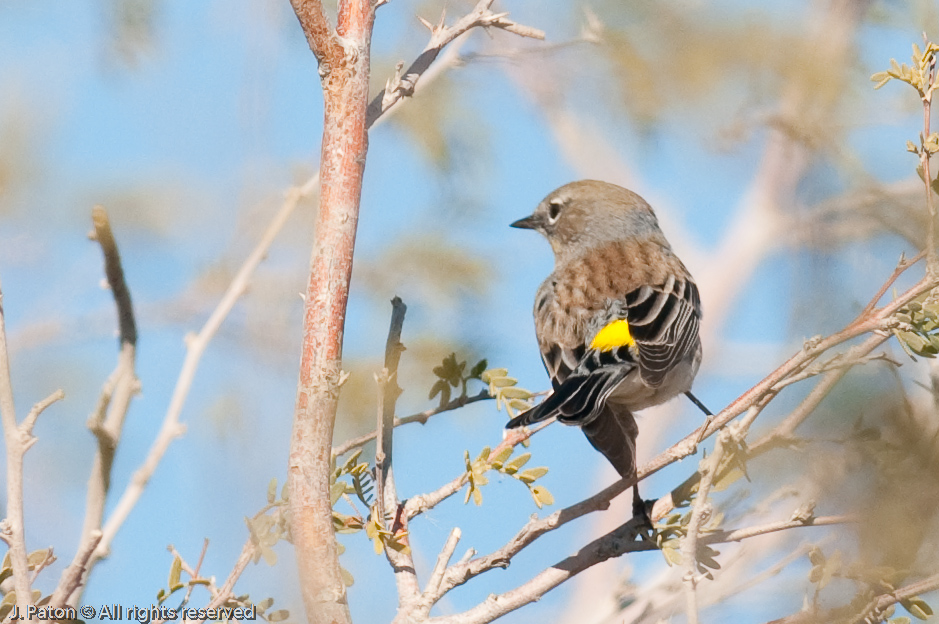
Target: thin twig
<point>932,259</point>
<point>432,591</point>
<point>196,346</point>
<point>73,574</point>
<point>226,591</point>
<point>13,526</point>
<point>387,498</point>
<point>902,265</point>
<point>616,543</point>
<point>881,603</point>
<point>420,417</point>
<point>400,86</point>
<point>421,503</point>
<point>738,535</point>
<point>107,420</point>
<point>700,515</point>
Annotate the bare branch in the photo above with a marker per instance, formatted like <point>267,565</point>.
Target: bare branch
<point>72,575</point>
<point>114,273</point>
<point>195,348</point>
<point>387,499</point>
<point>432,592</point>
<point>398,87</point>
<point>226,591</point>
<point>344,69</point>
<point>738,535</point>
<point>700,515</point>
<point>614,544</point>
<point>319,34</point>
<point>107,420</point>
<point>13,527</point>
<point>420,417</point>
<point>902,266</point>
<point>26,427</point>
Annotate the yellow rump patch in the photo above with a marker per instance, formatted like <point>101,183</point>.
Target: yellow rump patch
<point>613,336</point>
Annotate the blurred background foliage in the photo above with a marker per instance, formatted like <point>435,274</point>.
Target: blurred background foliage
<point>752,127</point>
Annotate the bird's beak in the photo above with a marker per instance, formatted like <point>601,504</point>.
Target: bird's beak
<point>528,223</point>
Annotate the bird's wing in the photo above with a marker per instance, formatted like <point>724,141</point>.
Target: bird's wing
<point>663,322</point>
<point>651,329</point>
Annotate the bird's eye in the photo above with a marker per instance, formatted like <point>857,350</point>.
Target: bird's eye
<point>554,210</point>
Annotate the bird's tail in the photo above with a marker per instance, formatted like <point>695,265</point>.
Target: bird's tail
<point>529,417</point>
<point>613,432</point>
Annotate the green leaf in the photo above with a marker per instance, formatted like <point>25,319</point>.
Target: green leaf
<point>542,496</point>
<point>478,369</point>
<point>336,490</point>
<point>532,474</point>
<point>493,373</point>
<point>175,571</point>
<point>502,456</point>
<point>515,393</point>
<point>272,490</point>
<point>442,388</point>
<point>672,556</point>
<point>347,579</point>
<point>278,616</point>
<point>37,557</point>
<point>270,557</point>
<point>917,607</point>
<point>513,466</point>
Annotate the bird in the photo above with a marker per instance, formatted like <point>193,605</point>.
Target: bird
<point>617,321</point>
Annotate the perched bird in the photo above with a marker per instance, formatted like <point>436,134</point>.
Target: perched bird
<point>617,320</point>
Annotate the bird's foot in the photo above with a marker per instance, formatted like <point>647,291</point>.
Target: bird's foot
<point>642,513</point>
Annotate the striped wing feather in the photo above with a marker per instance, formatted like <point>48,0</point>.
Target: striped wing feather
<point>664,322</point>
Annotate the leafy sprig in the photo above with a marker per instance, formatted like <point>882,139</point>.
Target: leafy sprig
<point>476,474</point>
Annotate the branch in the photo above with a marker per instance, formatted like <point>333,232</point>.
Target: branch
<point>319,34</point>
<point>784,431</point>
<point>421,503</point>
<point>398,87</point>
<point>433,593</point>
<point>616,543</point>
<point>17,442</point>
<point>195,348</point>
<point>73,574</point>
<point>700,515</point>
<point>107,420</point>
<point>738,535</point>
<point>226,591</point>
<point>881,603</point>
<point>114,273</point>
<point>613,544</point>
<point>26,427</point>
<point>420,417</point>
<point>871,612</point>
<point>902,266</point>
<point>344,70</point>
<point>387,497</point>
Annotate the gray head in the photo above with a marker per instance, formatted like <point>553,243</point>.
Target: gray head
<point>582,215</point>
